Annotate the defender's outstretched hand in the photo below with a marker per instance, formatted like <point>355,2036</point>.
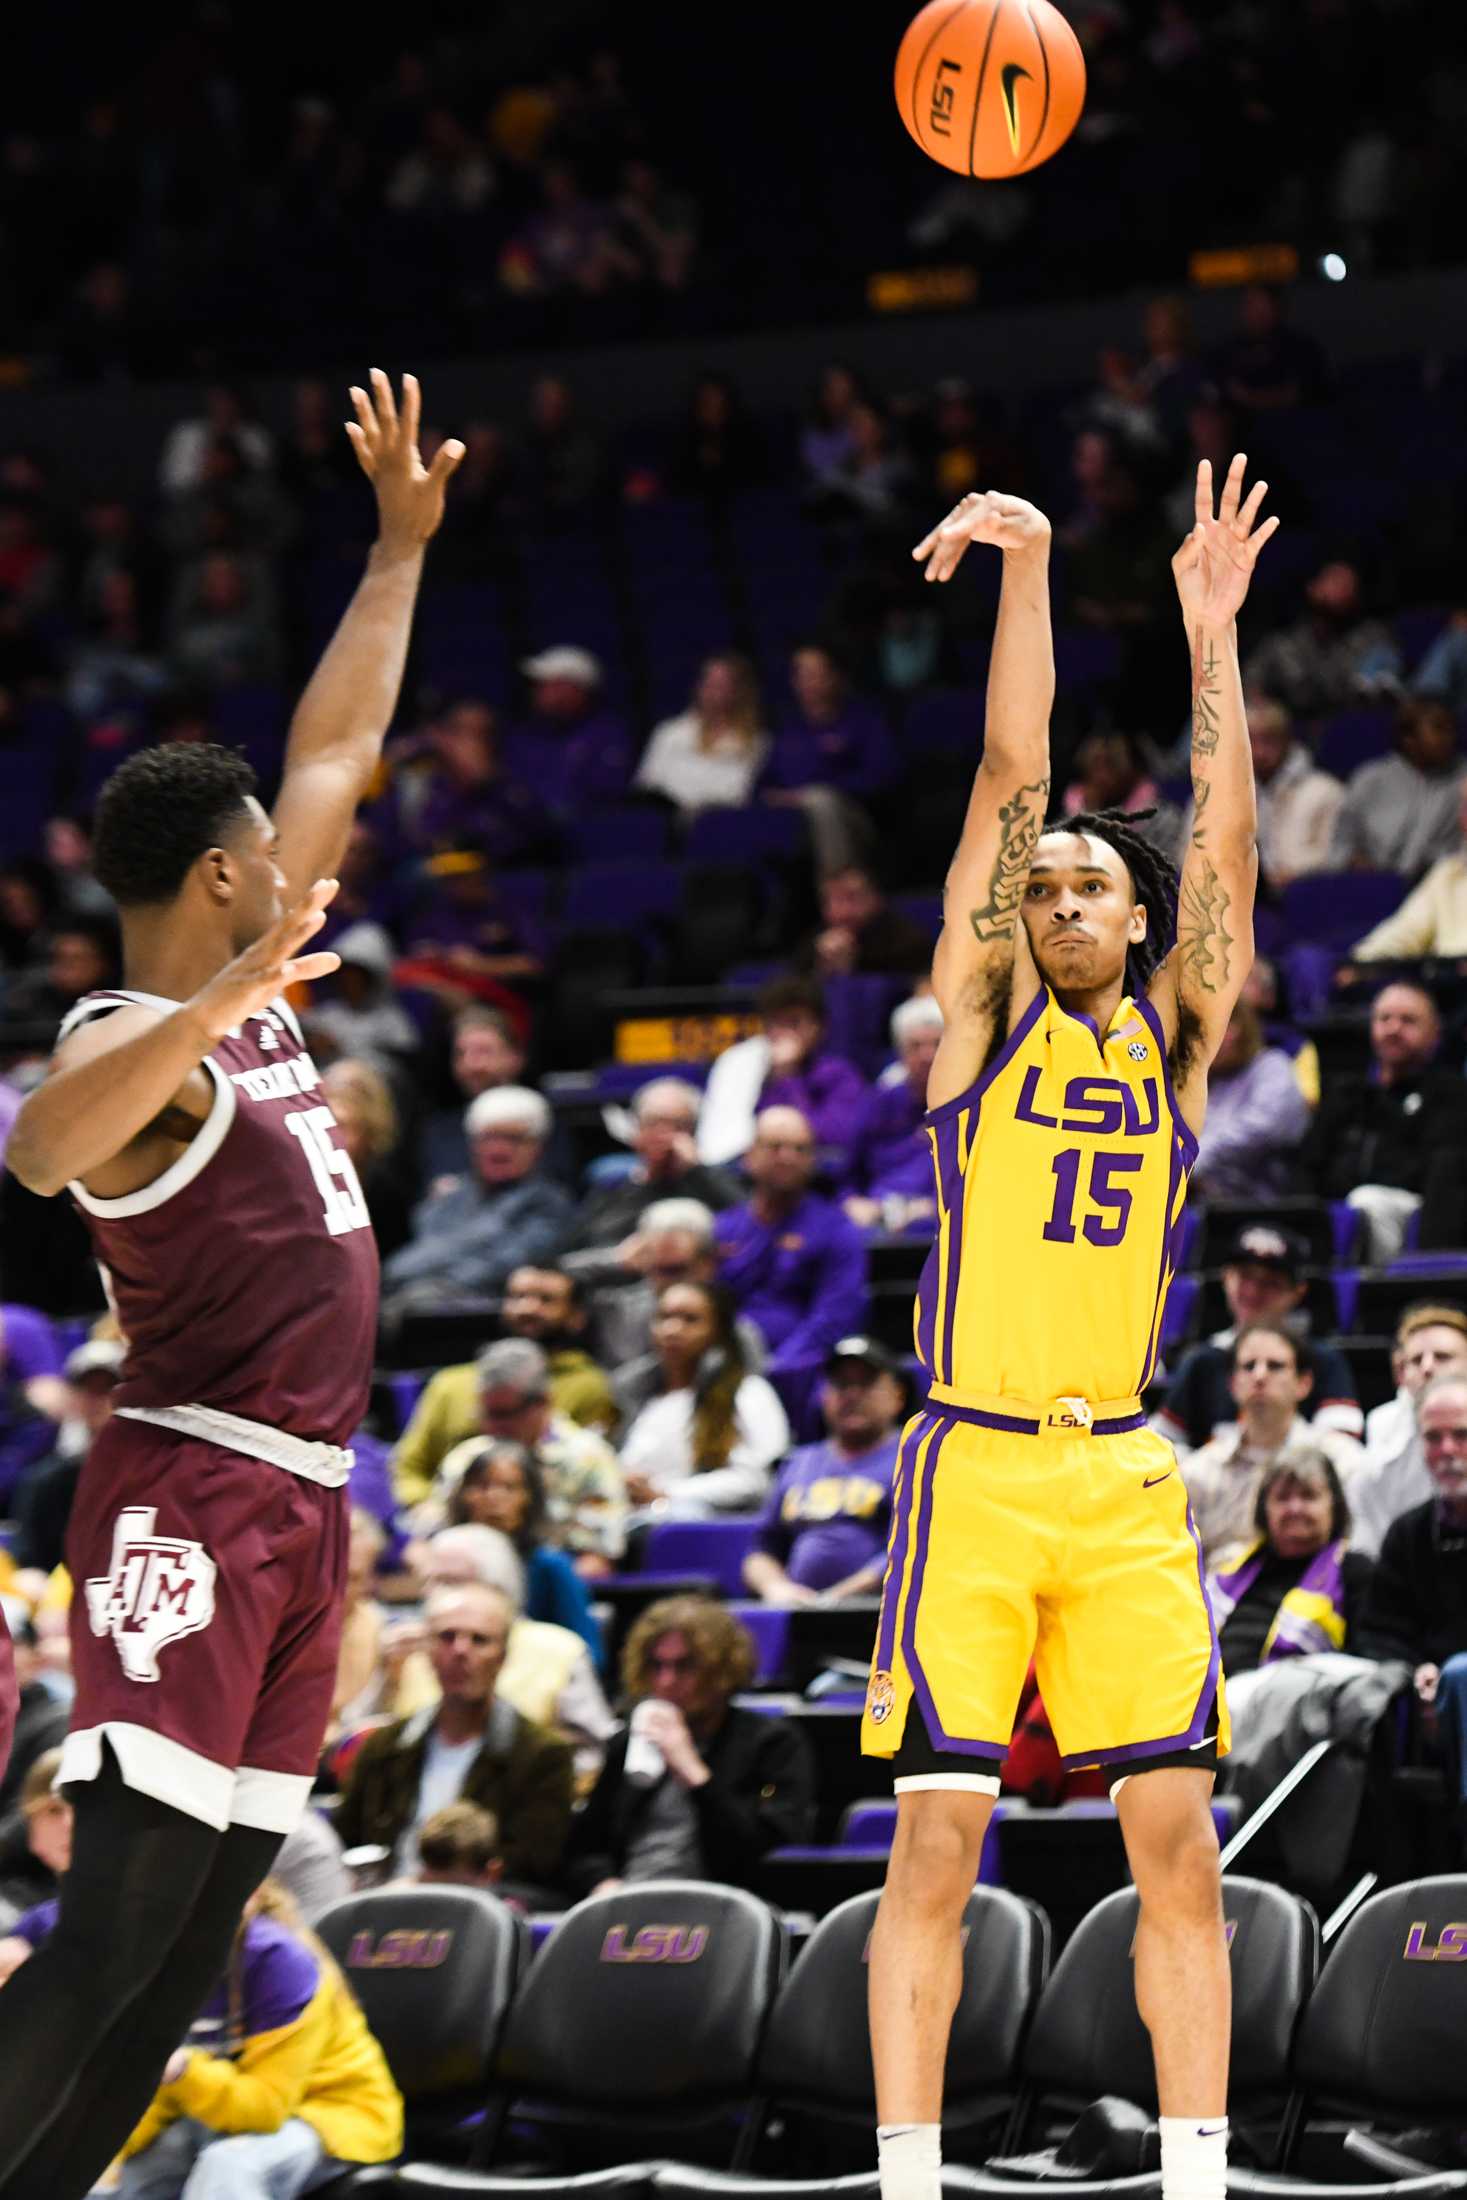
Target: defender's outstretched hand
<point>1215,564</point>
<point>409,494</point>
<point>1008,523</point>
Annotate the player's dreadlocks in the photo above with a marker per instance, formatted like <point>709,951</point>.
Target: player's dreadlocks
<point>1153,882</point>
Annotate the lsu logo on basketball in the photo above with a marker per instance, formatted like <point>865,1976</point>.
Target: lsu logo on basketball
<point>944,98</point>
<point>880,1698</point>
<point>1451,1944</point>
<point>655,1944</point>
<point>160,1588</point>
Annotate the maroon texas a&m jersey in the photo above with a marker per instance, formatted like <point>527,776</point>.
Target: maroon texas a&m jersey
<point>245,1276</point>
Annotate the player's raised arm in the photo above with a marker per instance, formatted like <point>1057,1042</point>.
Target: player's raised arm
<point>972,970</point>
<point>342,719</point>
<point>1201,979</point>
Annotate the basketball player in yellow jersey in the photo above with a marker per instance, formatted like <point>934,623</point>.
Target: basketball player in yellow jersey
<point>1035,1514</point>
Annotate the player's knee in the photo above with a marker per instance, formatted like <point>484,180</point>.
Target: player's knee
<point>1177,1870</point>
<point>934,1857</point>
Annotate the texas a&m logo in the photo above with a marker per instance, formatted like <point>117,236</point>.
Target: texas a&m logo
<point>1450,1947</point>
<point>160,1588</point>
<point>944,97</point>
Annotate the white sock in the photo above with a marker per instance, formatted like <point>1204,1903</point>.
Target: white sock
<point>909,2157</point>
<point>1194,2157</point>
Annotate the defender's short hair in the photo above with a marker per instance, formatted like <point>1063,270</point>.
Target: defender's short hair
<point>158,814</point>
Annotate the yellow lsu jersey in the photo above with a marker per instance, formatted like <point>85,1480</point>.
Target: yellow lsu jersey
<point>1061,1178</point>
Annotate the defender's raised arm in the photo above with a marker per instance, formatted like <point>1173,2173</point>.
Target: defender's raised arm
<point>973,968</point>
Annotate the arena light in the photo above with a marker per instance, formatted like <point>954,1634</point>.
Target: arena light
<point>1333,268</point>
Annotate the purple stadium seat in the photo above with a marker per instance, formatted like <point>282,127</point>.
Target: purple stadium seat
<point>406,1390</point>
<point>746,837</point>
<point>632,833</point>
<point>1334,909</point>
<point>1428,1265</point>
<point>769,1626</point>
<point>621,897</point>
<point>1347,1290</point>
<point>1353,738</point>
<point>714,1547</point>
<point>1348,1225</point>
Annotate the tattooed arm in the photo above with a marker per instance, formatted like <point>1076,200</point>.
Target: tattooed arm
<point>1198,985</point>
<point>982,973</point>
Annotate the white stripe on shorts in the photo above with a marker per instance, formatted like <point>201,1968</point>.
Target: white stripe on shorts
<point>951,1783</point>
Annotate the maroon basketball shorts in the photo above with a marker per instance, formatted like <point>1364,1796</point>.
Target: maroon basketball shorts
<point>205,1619</point>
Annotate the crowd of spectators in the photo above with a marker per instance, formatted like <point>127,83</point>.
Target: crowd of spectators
<point>677,1301</point>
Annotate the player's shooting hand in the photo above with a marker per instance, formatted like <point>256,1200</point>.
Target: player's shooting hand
<point>1007,523</point>
<point>268,966</point>
<point>409,494</point>
<point>1215,564</point>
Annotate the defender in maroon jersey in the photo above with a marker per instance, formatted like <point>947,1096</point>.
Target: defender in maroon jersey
<point>207,1545</point>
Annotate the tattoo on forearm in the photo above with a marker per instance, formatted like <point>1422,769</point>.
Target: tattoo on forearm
<point>1201,796</point>
<point>1019,823</point>
<point>1203,939</point>
<point>1206,725</point>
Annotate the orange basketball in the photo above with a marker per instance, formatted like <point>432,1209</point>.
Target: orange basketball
<point>990,87</point>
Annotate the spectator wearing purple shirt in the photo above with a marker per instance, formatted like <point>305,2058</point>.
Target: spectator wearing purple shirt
<point>793,1262</point>
<point>832,757</point>
<point>890,1177</point>
<point>572,750</point>
<point>1256,1115</point>
<point>452,790</point>
<point>823,1533</point>
<point>784,1066</point>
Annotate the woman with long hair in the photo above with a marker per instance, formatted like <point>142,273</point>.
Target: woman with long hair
<point>710,754</point>
<point>707,1438</point>
<point>503,1487</point>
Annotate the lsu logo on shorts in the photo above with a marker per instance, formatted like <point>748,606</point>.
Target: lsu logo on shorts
<point>880,1698</point>
<point>159,1589</point>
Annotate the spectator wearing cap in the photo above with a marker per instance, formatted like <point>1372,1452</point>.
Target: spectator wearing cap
<point>1298,804</point>
<point>1417,1609</point>
<point>785,1065</point>
<point>1432,920</point>
<point>665,1143</point>
<point>861,934</point>
<point>451,789</point>
<point>1400,812</point>
<point>1334,655</point>
<point>1392,1141</point>
<point>832,757</point>
<point>695,1787</point>
<point>569,746</point>
<point>585,1497</point>
<point>1263,1281</point>
<point>823,1533</point>
<point>546,1306</point>
<point>44,1498</point>
<point>890,1176</point>
<point>795,1264</point>
<point>710,755</point>
<point>486,1051</point>
<point>1431,1341</point>
<point>1256,1115</point>
<point>360,1014</point>
<point>1269,1384</point>
<point>469,1238</point>
<point>466,940</point>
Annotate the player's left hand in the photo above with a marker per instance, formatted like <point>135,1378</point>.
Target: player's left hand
<point>1215,564</point>
<point>409,494</point>
<point>1008,523</point>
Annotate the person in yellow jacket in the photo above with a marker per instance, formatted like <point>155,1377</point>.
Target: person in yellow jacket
<point>281,2086</point>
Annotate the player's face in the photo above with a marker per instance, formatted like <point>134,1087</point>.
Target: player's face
<point>468,1635</point>
<point>1429,1352</point>
<point>1080,913</point>
<point>259,884</point>
<point>1257,1293</point>
<point>1299,1512</point>
<point>536,1304</point>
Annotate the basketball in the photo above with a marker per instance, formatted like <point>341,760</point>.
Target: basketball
<point>990,87</point>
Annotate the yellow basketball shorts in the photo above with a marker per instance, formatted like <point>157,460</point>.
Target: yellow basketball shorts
<point>1077,1550</point>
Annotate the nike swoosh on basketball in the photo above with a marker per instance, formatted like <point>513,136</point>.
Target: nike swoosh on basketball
<point>1009,81</point>
<point>1152,1480</point>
